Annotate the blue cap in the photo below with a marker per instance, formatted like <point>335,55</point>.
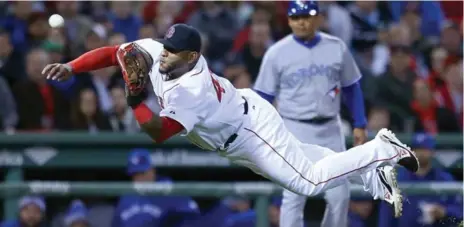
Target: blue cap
<point>303,8</point>
<point>424,141</point>
<point>36,200</point>
<point>181,37</point>
<point>139,161</point>
<point>76,212</point>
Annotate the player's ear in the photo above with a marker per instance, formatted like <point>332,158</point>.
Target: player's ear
<point>192,57</point>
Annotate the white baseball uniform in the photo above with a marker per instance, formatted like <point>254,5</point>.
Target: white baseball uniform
<point>240,125</point>
<point>306,79</point>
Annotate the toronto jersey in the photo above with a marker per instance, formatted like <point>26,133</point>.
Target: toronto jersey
<point>306,78</point>
<point>208,106</point>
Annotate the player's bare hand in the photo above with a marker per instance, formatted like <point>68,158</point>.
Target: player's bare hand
<point>57,71</point>
<point>359,136</point>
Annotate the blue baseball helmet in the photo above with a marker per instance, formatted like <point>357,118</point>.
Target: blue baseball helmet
<point>303,8</point>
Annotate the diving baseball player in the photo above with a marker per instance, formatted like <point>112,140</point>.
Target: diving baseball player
<point>236,123</point>
<point>305,73</point>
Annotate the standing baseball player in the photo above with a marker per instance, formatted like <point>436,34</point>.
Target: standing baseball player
<point>236,123</point>
<point>305,73</point>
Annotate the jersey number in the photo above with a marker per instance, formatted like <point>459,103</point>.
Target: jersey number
<point>217,87</point>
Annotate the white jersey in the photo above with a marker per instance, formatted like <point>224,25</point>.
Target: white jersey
<point>208,106</point>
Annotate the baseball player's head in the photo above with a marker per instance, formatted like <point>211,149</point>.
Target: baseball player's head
<point>77,215</point>
<point>139,166</point>
<point>31,210</point>
<point>182,46</point>
<point>423,144</point>
<point>304,18</point>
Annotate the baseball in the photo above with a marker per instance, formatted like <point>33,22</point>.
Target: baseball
<point>56,21</point>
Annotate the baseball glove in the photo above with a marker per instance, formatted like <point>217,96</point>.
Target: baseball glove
<point>135,65</point>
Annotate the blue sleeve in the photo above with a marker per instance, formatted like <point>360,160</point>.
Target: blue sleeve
<point>269,98</point>
<point>353,99</point>
<point>386,217</point>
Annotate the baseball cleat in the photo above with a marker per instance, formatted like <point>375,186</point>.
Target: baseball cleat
<point>392,194</point>
<point>407,157</point>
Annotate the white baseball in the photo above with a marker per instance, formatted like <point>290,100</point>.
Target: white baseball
<point>56,21</point>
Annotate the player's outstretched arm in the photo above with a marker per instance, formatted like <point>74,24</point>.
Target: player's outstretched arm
<point>95,59</point>
<point>158,128</point>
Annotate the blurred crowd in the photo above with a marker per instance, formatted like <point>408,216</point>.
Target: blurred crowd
<point>410,55</point>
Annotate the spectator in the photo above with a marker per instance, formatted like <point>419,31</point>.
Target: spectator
<point>11,60</point>
<point>8,114</point>
<point>398,35</point>
<point>253,52</point>
<point>77,215</point>
<point>55,51</point>
<point>16,23</point>
<point>40,106</point>
<point>450,95</point>
<point>419,46</point>
<point>427,211</point>
<point>430,117</point>
<point>360,212</point>
<point>429,11</point>
<point>366,19</point>
<point>86,114</point>
<point>219,24</point>
<point>76,27</point>
<point>96,37</point>
<point>394,89</point>
<point>124,20</point>
<point>451,39</point>
<point>379,118</point>
<point>122,118</point>
<point>31,213</point>
<point>37,30</point>
<point>165,15</point>
<point>438,61</point>
<point>116,39</point>
<point>154,211</point>
<point>338,20</point>
<point>148,31</point>
<point>259,16</point>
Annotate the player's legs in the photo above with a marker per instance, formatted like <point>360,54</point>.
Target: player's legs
<point>265,146</point>
<point>337,199</point>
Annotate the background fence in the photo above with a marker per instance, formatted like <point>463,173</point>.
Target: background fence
<point>109,151</point>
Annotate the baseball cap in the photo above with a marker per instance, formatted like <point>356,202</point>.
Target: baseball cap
<point>182,37</point>
<point>424,141</point>
<point>303,8</point>
<point>139,161</point>
<point>77,211</point>
<point>36,200</point>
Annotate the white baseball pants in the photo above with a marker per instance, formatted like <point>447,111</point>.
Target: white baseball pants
<point>266,146</point>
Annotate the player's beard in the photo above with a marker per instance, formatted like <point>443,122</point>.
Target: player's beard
<point>175,70</point>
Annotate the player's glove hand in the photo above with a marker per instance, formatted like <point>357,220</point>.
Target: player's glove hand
<point>135,65</point>
<point>134,99</point>
<point>57,71</point>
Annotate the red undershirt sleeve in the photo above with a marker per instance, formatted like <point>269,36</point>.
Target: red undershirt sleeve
<point>95,59</point>
<point>169,126</point>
